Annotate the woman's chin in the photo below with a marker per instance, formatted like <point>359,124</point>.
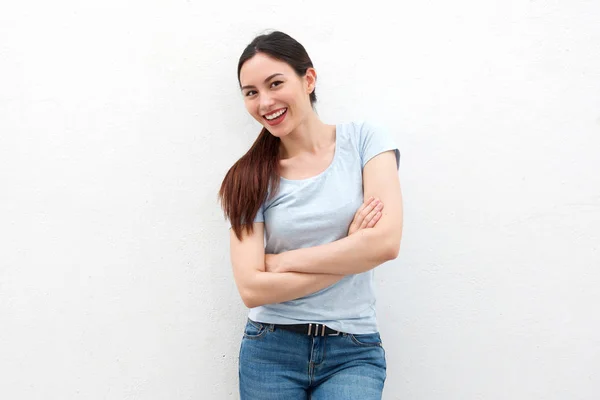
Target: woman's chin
<point>277,130</point>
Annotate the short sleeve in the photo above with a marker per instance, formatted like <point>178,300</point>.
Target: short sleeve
<point>374,140</point>
<point>260,215</point>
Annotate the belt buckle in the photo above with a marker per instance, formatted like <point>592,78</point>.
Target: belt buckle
<point>316,332</point>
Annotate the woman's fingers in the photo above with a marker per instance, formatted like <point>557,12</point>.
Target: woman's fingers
<point>367,215</point>
<point>374,220</point>
<point>373,216</point>
<point>363,206</point>
<point>359,216</point>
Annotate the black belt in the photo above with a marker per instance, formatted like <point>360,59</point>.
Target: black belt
<point>310,329</point>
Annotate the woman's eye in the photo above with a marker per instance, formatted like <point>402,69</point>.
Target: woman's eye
<point>250,93</point>
<point>276,83</point>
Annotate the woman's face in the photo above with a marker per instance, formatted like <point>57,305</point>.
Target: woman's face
<point>274,94</point>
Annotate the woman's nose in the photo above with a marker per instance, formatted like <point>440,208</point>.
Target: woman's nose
<point>266,102</point>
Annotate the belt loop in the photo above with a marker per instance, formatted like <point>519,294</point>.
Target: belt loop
<point>309,329</point>
<point>317,330</point>
<point>323,330</point>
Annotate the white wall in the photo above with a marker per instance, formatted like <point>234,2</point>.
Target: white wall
<point>119,119</point>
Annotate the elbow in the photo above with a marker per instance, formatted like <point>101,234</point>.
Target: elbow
<point>250,303</point>
<point>247,288</point>
<point>392,250</point>
<point>251,299</point>
<point>385,243</point>
<point>390,247</point>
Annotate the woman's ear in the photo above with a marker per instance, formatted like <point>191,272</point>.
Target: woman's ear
<point>311,80</point>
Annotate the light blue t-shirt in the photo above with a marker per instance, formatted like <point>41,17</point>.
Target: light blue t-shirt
<point>319,210</point>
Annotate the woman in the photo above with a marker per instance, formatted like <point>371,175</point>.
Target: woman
<point>303,241</point>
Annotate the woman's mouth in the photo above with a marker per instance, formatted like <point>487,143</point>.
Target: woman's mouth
<point>276,117</point>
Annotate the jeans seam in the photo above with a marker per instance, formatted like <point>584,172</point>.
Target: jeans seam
<point>323,355</point>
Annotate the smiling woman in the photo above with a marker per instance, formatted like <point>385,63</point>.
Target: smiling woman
<point>279,97</point>
<point>306,206</point>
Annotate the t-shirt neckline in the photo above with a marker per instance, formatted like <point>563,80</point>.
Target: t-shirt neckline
<point>329,167</point>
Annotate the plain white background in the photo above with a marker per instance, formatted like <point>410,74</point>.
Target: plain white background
<point>119,119</point>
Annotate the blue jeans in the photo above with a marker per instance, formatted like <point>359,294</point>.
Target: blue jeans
<point>277,364</point>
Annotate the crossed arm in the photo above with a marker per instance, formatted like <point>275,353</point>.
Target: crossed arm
<point>367,248</point>
<point>265,279</point>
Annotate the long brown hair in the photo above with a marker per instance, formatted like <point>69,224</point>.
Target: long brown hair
<point>250,179</point>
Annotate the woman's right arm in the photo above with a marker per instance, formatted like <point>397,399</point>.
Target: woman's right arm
<point>258,287</point>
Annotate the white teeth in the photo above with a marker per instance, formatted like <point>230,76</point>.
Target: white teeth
<point>275,115</point>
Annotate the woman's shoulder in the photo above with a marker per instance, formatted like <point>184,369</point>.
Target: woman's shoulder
<point>356,131</point>
<point>358,127</point>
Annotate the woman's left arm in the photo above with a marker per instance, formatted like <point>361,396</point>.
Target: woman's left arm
<point>365,249</point>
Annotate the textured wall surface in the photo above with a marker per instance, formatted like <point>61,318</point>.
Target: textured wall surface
<point>118,121</point>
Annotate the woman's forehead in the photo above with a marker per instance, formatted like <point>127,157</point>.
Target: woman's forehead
<point>261,66</point>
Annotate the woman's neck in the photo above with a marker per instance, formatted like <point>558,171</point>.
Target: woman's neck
<point>310,136</point>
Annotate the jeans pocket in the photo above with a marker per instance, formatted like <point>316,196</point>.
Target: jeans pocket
<point>366,339</point>
<point>254,330</point>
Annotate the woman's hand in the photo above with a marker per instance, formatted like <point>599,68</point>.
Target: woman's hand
<point>366,216</point>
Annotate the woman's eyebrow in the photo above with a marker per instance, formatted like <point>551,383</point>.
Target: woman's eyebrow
<point>266,80</point>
